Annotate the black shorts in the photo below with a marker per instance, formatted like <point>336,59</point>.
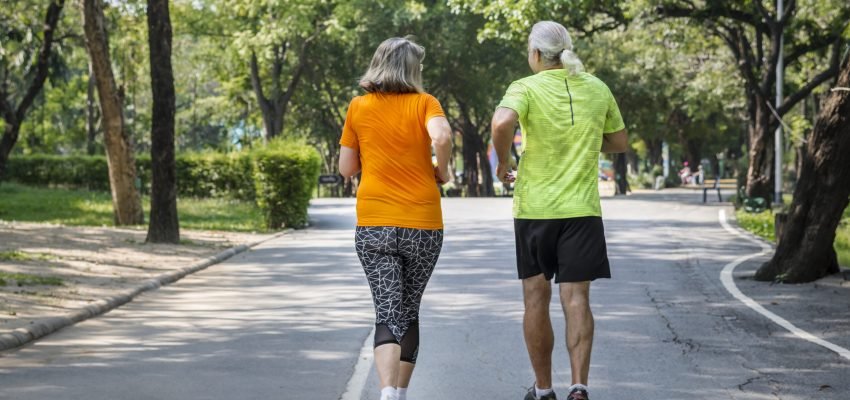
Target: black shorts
<point>571,250</point>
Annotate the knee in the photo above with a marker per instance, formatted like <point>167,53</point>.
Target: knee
<point>537,295</point>
<point>576,300</point>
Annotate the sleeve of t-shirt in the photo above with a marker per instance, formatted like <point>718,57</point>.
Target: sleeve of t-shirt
<point>516,98</point>
<point>613,119</point>
<point>432,108</point>
<point>349,136</point>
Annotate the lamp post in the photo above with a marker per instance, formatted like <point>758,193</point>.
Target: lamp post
<point>779,81</point>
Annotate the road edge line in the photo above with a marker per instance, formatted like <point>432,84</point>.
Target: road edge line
<point>728,281</point>
<point>45,326</point>
<point>357,382</point>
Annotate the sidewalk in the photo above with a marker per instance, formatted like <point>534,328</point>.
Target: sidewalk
<point>52,272</point>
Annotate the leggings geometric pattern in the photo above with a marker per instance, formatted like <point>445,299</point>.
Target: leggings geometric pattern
<point>398,263</point>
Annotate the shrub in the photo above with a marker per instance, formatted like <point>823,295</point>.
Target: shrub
<point>90,172</point>
<point>285,175</point>
<point>280,177</point>
<point>198,174</point>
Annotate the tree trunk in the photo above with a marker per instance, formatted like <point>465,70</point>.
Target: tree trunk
<point>621,175</point>
<point>164,226</point>
<point>760,170</point>
<point>470,164</point>
<point>91,115</point>
<point>14,115</point>
<point>487,189</point>
<point>126,202</point>
<point>805,252</point>
<point>275,104</point>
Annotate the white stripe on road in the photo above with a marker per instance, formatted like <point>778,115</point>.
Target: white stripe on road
<point>361,370</point>
<point>729,283</point>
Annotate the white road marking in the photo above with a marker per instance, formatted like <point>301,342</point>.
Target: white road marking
<point>361,370</point>
<point>729,284</point>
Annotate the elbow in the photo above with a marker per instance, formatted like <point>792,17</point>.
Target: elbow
<point>503,125</point>
<point>347,171</point>
<point>443,139</point>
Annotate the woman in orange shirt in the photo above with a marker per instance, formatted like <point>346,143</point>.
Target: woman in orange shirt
<point>388,134</point>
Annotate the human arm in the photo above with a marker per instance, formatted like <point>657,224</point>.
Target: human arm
<point>441,138</point>
<point>503,126</point>
<point>616,142</point>
<point>349,161</point>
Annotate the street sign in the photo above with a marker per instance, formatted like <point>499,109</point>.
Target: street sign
<point>330,179</point>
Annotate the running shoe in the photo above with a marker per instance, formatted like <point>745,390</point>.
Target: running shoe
<point>578,394</point>
<point>531,395</point>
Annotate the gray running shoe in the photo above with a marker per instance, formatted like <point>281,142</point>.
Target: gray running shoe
<point>531,395</point>
<point>578,394</point>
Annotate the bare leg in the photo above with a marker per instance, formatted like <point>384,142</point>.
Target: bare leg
<point>405,372</point>
<point>575,300</point>
<point>386,362</point>
<point>539,338</point>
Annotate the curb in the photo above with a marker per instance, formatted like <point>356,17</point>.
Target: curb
<point>45,326</point>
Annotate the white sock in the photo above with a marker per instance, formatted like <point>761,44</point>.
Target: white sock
<point>578,386</point>
<point>402,393</point>
<point>541,392</point>
<point>389,393</point>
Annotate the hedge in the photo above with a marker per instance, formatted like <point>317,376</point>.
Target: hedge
<point>198,174</point>
<point>280,177</point>
<point>285,177</point>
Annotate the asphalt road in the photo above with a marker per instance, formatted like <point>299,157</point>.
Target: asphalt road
<point>287,321</point>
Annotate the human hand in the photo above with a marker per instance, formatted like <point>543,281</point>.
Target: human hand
<point>505,173</point>
<point>442,177</point>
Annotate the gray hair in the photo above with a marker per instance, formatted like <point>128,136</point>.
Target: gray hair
<point>396,67</point>
<point>553,42</point>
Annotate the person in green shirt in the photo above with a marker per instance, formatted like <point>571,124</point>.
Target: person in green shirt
<point>567,118</point>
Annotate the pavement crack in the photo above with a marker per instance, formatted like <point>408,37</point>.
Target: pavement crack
<point>687,344</point>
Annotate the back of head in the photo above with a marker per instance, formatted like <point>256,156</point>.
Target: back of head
<point>555,46</point>
<point>396,67</point>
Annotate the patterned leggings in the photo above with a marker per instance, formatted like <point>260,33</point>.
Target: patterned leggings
<point>398,263</point>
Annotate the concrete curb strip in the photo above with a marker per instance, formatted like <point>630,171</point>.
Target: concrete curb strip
<point>45,326</point>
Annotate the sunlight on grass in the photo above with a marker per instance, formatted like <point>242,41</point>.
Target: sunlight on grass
<point>15,255</point>
<point>28,279</point>
<point>85,208</point>
<point>762,225</point>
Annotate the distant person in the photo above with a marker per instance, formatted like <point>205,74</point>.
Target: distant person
<point>389,133</point>
<point>685,174</point>
<point>567,116</point>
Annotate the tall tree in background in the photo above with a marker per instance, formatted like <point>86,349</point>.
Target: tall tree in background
<point>275,38</point>
<point>13,113</point>
<point>754,32</point>
<point>126,201</point>
<point>805,251</point>
<point>164,226</point>
<point>471,86</point>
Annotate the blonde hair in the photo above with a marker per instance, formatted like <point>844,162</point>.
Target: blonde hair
<point>553,42</point>
<point>396,67</point>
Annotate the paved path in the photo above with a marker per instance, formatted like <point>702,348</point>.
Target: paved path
<point>287,321</point>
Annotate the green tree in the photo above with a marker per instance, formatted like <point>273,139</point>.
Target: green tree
<point>754,33</point>
<point>275,38</point>
<point>805,249</point>
<point>21,53</point>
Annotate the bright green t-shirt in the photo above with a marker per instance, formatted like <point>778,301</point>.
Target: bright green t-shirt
<point>563,118</point>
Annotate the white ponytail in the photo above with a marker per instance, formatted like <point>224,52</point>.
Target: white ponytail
<point>553,42</point>
<point>571,62</point>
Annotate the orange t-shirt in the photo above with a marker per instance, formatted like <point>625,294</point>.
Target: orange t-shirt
<point>397,186</point>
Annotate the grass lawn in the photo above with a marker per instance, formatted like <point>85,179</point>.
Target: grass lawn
<point>762,225</point>
<point>28,279</point>
<point>81,207</point>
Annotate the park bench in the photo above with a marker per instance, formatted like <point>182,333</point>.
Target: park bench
<point>718,185</point>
